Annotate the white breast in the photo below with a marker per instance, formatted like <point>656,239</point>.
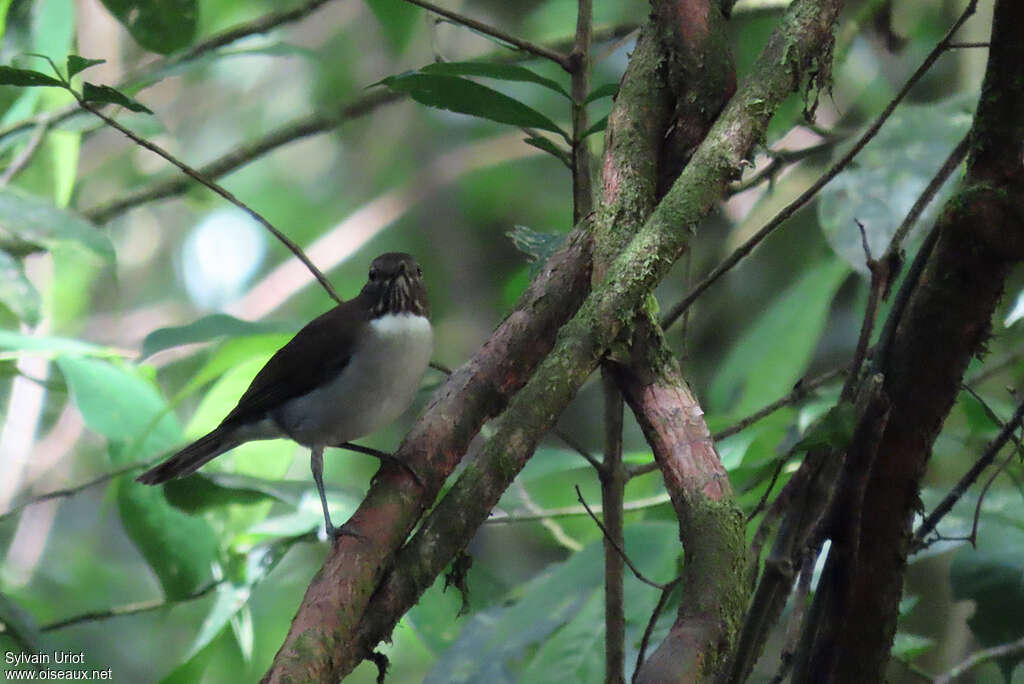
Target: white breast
<point>376,386</point>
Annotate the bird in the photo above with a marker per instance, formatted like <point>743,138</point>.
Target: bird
<point>350,371</point>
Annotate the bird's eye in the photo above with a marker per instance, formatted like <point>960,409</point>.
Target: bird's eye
<point>419,271</point>
<point>374,273</point>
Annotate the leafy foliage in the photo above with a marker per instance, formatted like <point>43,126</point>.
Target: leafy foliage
<point>101,324</point>
<point>467,97</point>
<point>159,25</point>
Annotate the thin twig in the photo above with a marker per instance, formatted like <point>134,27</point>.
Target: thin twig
<point>649,630</point>
<point>980,658</point>
<point>1000,469</point>
<point>260,25</point>
<point>779,160</point>
<point>636,572</point>
<point>220,190</point>
<point>881,276</point>
<point>573,444</point>
<point>780,463</point>
<point>25,155</point>
<point>538,50</point>
<point>961,46</point>
<point>72,491</point>
<point>957,155</point>
<point>946,505</point>
<point>296,130</point>
<point>575,511</point>
<point>993,368</point>
<point>131,608</point>
<point>747,247</point>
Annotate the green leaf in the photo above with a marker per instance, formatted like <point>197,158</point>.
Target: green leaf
<point>4,6</point>
<point>16,292</point>
<point>774,351</point>
<point>503,72</point>
<point>77,65</point>
<point>570,654</point>
<point>102,93</point>
<point>551,148</point>
<point>121,406</point>
<point>40,222</point>
<point>159,25</point>
<point>210,489</point>
<point>233,598</point>
<point>44,345</point>
<point>834,429</point>
<point>606,90</point>
<point>494,643</point>
<point>991,577</point>
<point>206,329</point>
<point>26,78</point>
<point>199,493</point>
<point>230,599</point>
<point>889,175</point>
<point>536,246</point>
<point>179,548</point>
<point>909,646</point>
<point>398,21</point>
<point>600,125</point>
<point>463,96</point>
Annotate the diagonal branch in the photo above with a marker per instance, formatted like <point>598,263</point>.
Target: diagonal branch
<point>978,240</point>
<point>747,247</point>
<point>262,24</point>
<point>219,189</point>
<point>296,130</point>
<point>330,649</point>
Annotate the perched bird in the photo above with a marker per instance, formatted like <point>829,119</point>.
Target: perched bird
<point>347,373</point>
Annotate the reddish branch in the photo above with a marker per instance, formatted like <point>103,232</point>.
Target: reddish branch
<point>946,320</point>
<point>678,79</point>
<point>339,623</point>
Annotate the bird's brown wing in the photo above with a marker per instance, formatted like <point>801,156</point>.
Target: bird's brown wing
<point>316,354</point>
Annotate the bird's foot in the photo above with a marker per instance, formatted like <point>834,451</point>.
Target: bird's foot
<point>334,533</point>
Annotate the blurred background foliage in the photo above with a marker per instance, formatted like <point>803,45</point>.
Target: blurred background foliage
<point>126,332</point>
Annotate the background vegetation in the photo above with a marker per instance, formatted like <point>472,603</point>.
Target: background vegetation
<point>136,307</point>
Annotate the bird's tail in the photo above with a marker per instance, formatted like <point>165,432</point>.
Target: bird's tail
<point>191,458</point>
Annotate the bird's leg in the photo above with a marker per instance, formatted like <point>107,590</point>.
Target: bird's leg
<point>316,464</point>
<point>383,456</point>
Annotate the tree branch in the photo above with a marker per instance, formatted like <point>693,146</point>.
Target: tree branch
<point>929,524</point>
<point>977,240</point>
<point>338,597</point>
<point>791,51</point>
<point>807,195</point>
